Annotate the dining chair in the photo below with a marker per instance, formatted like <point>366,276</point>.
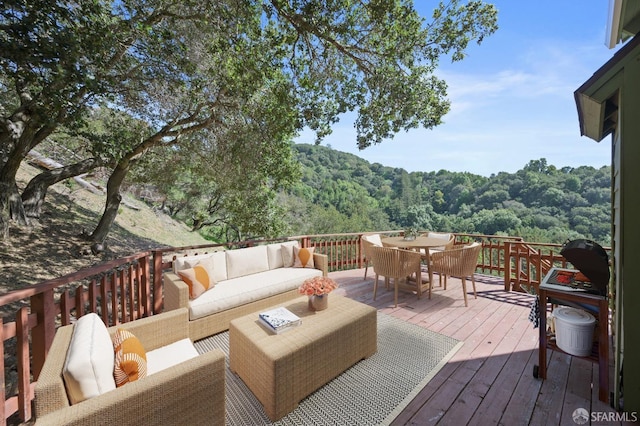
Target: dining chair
<point>458,262</point>
<point>449,244</point>
<point>368,241</point>
<point>398,264</point>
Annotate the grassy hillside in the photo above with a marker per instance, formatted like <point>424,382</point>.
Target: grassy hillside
<point>53,247</point>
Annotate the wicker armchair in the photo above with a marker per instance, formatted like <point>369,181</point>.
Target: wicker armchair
<point>192,392</point>
<point>459,262</point>
<point>400,265</point>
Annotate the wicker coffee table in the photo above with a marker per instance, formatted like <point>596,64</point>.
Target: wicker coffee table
<point>282,369</point>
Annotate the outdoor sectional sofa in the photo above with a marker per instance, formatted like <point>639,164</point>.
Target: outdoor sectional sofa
<point>246,280</point>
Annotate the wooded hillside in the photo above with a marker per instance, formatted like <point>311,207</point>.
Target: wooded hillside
<point>340,192</point>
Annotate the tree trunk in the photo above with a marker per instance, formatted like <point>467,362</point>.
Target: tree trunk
<point>36,190</point>
<point>21,133</point>
<point>10,202</point>
<point>10,207</point>
<point>112,203</point>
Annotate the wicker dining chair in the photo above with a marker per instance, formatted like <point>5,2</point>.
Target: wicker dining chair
<point>449,240</point>
<point>400,265</point>
<point>460,263</point>
<point>368,241</point>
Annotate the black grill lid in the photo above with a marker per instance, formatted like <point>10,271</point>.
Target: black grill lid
<point>589,258</point>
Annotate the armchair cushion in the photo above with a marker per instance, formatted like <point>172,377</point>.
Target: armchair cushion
<point>130,358</point>
<point>89,364</point>
<point>171,355</point>
<point>375,239</point>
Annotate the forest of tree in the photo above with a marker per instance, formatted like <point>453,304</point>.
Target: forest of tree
<point>340,192</point>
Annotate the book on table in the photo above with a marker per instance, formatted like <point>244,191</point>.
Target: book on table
<point>279,320</point>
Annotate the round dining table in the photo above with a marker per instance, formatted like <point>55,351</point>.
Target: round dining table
<point>418,244</point>
<point>413,244</point>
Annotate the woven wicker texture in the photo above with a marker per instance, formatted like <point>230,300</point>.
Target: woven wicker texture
<point>460,263</point>
<point>366,248</point>
<point>398,264</point>
<point>372,392</point>
<point>451,240</point>
<point>192,392</point>
<point>176,295</point>
<point>283,369</point>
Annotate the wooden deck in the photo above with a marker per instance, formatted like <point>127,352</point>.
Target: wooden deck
<point>489,381</point>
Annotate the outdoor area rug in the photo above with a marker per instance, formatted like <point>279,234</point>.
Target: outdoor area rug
<point>372,392</point>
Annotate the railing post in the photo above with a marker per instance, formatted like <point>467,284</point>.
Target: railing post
<point>361,252</point>
<point>145,284</point>
<point>157,282</point>
<point>507,265</point>
<point>42,334</point>
<point>22,352</point>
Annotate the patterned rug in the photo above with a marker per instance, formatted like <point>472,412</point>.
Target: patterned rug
<point>372,392</point>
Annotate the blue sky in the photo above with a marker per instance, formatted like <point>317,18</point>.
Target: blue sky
<point>511,97</point>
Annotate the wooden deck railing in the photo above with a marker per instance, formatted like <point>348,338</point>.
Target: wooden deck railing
<point>119,291</point>
<point>129,288</point>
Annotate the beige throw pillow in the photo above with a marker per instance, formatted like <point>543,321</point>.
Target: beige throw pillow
<point>303,257</point>
<point>199,278</point>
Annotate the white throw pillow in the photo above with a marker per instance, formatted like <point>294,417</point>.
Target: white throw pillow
<point>219,264</point>
<point>88,368</point>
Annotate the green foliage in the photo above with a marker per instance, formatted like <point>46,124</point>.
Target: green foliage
<point>340,192</point>
<point>227,71</point>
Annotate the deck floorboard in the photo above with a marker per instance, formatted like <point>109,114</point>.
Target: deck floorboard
<point>490,379</point>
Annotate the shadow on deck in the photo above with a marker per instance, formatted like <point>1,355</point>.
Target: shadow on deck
<point>490,379</point>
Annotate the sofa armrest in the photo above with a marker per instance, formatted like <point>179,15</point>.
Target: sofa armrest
<point>321,262</point>
<point>50,392</point>
<point>158,330</point>
<point>192,392</point>
<point>176,292</point>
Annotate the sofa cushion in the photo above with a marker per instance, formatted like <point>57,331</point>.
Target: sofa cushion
<point>170,355</point>
<point>247,261</point>
<point>88,367</point>
<point>199,278</point>
<point>277,252</point>
<point>240,291</point>
<point>219,264</point>
<point>303,257</point>
<point>130,358</point>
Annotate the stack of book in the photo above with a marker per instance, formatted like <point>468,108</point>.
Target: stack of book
<point>279,320</point>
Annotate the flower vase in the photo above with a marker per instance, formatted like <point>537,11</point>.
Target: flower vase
<point>318,303</point>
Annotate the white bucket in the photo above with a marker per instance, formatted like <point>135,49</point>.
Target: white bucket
<point>574,330</point>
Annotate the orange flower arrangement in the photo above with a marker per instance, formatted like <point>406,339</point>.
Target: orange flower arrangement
<point>317,286</point>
